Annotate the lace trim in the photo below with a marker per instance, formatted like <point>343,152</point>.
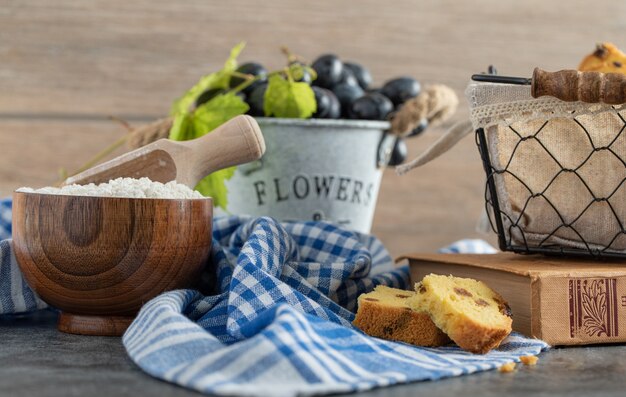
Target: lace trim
<point>492,104</point>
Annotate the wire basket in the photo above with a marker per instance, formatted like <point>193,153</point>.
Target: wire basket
<point>556,172</point>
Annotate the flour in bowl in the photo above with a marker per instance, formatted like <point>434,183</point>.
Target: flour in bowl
<point>123,187</point>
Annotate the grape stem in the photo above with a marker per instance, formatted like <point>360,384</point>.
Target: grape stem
<point>287,71</point>
<point>247,83</point>
<point>241,75</point>
<point>291,57</point>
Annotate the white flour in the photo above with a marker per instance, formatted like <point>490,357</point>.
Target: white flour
<point>123,187</point>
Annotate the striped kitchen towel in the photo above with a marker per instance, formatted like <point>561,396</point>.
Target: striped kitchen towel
<point>469,246</point>
<point>5,218</point>
<point>15,295</point>
<point>274,318</point>
<point>279,323</point>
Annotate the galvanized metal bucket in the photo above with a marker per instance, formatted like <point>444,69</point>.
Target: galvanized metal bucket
<point>314,170</point>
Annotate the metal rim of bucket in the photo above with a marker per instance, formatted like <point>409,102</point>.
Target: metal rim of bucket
<point>304,150</point>
<point>329,123</point>
<point>384,147</point>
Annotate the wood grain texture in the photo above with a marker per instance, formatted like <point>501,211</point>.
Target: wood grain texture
<point>101,256</point>
<point>93,325</point>
<point>120,57</point>
<point>572,85</point>
<point>238,141</point>
<point>67,65</point>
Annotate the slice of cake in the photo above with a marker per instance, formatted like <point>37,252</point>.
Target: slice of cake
<point>473,315</point>
<point>384,313</point>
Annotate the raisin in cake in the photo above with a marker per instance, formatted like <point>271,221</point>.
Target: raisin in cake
<point>473,315</point>
<point>384,313</point>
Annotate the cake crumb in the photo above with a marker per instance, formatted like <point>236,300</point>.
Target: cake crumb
<point>529,360</point>
<point>508,367</point>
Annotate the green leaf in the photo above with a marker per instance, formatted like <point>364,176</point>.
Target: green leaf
<point>217,111</point>
<point>223,76</point>
<point>203,120</point>
<point>183,104</point>
<point>231,62</point>
<point>289,99</point>
<point>219,79</point>
<point>214,186</point>
<point>182,127</point>
<point>191,124</point>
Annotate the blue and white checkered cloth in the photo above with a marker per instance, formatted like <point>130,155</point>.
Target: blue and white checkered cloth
<point>278,322</point>
<point>469,246</point>
<point>5,218</point>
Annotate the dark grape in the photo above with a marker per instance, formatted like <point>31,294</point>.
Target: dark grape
<point>361,74</point>
<point>420,128</point>
<point>347,77</point>
<point>398,153</point>
<point>347,94</point>
<point>324,103</point>
<point>377,90</point>
<point>329,70</point>
<point>328,106</point>
<point>256,99</point>
<point>371,107</point>
<point>212,93</point>
<point>253,68</point>
<point>334,111</point>
<point>401,89</point>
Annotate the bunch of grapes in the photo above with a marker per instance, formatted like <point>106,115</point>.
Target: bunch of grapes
<point>346,86</point>
<point>342,91</point>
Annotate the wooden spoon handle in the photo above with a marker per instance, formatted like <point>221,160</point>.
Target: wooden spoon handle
<point>235,142</point>
<point>572,85</point>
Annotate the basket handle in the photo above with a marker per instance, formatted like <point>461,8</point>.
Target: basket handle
<point>573,85</point>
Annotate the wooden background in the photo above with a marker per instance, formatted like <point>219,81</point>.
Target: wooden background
<point>65,66</point>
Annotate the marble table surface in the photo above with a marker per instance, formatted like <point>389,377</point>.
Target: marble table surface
<point>37,360</point>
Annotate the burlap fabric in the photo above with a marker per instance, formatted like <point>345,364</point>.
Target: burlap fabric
<point>559,168</point>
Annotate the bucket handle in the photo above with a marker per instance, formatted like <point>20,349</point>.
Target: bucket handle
<point>446,142</point>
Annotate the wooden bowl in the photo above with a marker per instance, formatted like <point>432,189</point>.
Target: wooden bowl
<point>99,259</point>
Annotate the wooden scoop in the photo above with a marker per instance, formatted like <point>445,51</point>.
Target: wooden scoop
<point>235,142</point>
